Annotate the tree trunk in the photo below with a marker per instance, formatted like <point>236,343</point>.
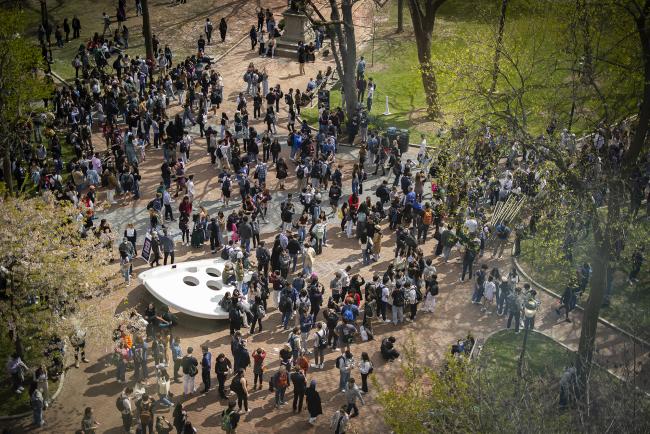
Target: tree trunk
<point>428,74</point>
<point>400,16</point>
<point>600,262</point>
<point>349,60</point>
<point>146,30</point>
<point>638,140</point>
<point>6,169</point>
<point>497,50</point>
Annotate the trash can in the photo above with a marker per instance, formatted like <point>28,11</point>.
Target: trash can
<point>403,139</point>
<point>391,134</point>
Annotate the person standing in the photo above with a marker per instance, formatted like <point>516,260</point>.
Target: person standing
<point>280,382</point>
<point>223,28</point>
<point>146,410</point>
<point>314,405</point>
<point>239,386</point>
<point>208,28</point>
<point>76,27</point>
<point>365,369</point>
<point>514,308</point>
<point>190,369</point>
<point>222,367</point>
<point>125,408</point>
<point>167,243</point>
<point>37,403</point>
<point>206,366</point>
<point>299,387</point>
<point>258,367</point>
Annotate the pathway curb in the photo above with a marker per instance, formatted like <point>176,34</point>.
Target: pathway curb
<point>29,413</point>
<point>557,296</point>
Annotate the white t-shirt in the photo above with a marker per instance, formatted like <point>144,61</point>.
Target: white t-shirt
<point>489,290</point>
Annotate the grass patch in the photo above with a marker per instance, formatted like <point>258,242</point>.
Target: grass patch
<point>34,345</point>
<point>543,355</point>
<point>629,304</point>
<point>536,33</point>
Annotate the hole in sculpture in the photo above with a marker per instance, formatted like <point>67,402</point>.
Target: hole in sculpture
<point>213,272</point>
<point>191,269</point>
<point>191,281</point>
<point>213,285</point>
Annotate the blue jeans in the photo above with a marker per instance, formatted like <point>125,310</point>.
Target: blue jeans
<point>306,271</point>
<point>246,243</point>
<point>279,395</point>
<point>38,416</point>
<point>165,401</point>
<point>286,316</point>
<point>398,314</point>
<point>366,256</point>
<point>301,233</point>
<point>343,380</point>
<point>121,371</point>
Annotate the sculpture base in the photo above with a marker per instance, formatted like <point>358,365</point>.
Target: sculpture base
<point>296,28</point>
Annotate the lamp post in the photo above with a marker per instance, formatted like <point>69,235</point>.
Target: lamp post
<point>530,309</point>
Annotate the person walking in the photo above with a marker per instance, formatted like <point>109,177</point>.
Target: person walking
<point>314,406</point>
<point>351,395</point>
<point>340,419</point>
<point>230,419</point>
<point>223,28</point>
<point>146,410</point>
<point>207,28</point>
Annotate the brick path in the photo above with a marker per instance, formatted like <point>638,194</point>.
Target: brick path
<point>94,384</point>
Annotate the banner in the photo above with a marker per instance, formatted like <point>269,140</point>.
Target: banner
<point>146,248</point>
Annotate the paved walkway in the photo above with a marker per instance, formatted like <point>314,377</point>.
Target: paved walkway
<point>94,384</point>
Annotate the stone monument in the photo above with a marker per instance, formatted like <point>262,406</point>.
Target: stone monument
<point>296,28</point>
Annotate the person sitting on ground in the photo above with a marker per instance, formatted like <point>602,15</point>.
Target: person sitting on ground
<point>388,352</point>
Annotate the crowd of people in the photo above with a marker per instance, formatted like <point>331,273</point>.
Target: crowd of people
<point>130,99</point>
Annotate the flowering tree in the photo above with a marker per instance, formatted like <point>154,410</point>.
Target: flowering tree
<point>47,265</point>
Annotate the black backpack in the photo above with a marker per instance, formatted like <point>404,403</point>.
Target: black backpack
<point>235,385</point>
<point>225,253</point>
<point>398,298</point>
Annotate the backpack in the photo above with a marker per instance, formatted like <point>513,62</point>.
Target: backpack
<point>262,256</point>
<point>261,313</point>
<point>226,423</point>
<point>219,153</point>
<point>398,298</point>
<point>285,303</point>
<point>119,404</point>
<point>301,172</point>
<point>145,413</point>
<point>282,380</point>
<point>225,253</point>
<point>138,354</point>
<point>209,27</point>
<point>339,362</point>
<point>322,341</point>
<point>348,315</point>
<point>292,342</point>
<point>192,370</point>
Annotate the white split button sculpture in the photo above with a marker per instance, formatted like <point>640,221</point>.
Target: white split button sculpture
<point>194,288</point>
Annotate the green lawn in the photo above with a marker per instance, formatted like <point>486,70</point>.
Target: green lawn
<point>535,34</point>
<point>543,355</point>
<point>630,304</point>
<point>11,402</point>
